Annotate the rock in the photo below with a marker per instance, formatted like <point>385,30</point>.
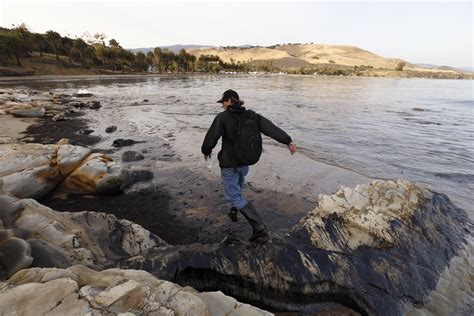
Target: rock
<point>85,131</point>
<point>59,117</point>
<point>83,94</point>
<point>93,104</point>
<point>33,170</point>
<point>61,239</point>
<point>132,176</point>
<point>42,97</point>
<point>77,104</point>
<point>46,255</point>
<point>111,129</point>
<point>132,156</point>
<point>15,255</point>
<point>81,291</point>
<point>33,112</point>
<point>64,141</point>
<point>377,249</point>
<point>43,298</point>
<point>6,140</point>
<point>97,174</point>
<point>220,304</point>
<point>125,142</point>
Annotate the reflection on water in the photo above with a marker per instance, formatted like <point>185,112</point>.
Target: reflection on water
<point>416,129</point>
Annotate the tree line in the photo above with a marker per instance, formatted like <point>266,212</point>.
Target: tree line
<point>88,51</point>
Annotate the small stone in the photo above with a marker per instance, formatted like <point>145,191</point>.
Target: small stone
<point>59,117</point>
<point>111,129</point>
<point>132,156</point>
<point>95,105</point>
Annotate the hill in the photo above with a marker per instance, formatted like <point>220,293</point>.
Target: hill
<point>311,55</point>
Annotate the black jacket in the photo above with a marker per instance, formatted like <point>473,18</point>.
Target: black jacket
<point>224,126</point>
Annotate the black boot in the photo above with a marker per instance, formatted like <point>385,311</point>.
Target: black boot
<point>233,214</point>
<point>259,228</point>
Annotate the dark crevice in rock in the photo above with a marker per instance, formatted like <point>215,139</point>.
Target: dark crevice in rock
<point>275,300</point>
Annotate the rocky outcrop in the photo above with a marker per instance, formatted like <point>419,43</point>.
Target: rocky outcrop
<point>387,248</point>
<point>33,170</point>
<point>378,249</point>
<point>81,291</point>
<point>30,103</point>
<point>32,234</point>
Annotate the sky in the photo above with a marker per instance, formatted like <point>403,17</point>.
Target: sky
<point>433,32</point>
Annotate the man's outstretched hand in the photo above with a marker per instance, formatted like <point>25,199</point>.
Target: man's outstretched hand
<point>292,148</point>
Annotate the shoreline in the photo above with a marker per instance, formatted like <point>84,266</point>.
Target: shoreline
<point>14,79</point>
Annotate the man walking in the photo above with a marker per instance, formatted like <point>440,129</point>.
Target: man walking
<point>241,146</point>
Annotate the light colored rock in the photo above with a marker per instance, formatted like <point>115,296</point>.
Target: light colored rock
<point>82,291</point>
<point>33,170</point>
<point>97,174</point>
<point>33,112</point>
<point>366,211</point>
<point>6,140</point>
<point>59,117</point>
<point>36,298</point>
<point>128,295</point>
<point>220,304</point>
<point>61,239</point>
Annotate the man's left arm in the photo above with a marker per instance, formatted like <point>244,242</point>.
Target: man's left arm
<point>271,130</point>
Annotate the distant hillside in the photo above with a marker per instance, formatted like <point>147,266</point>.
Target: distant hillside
<point>174,48</point>
<point>308,55</point>
<point>430,66</point>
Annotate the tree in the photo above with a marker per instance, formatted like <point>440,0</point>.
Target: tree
<point>150,58</point>
<point>68,45</point>
<point>400,66</point>
<point>140,62</point>
<point>7,47</point>
<point>81,46</point>
<point>54,39</point>
<point>157,52</point>
<point>39,41</point>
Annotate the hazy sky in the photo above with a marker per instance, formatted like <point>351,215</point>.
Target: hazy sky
<point>421,32</point>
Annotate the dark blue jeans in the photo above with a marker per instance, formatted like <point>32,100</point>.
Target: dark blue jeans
<point>234,179</point>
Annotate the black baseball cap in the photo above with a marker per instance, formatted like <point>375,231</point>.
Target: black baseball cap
<point>227,95</point>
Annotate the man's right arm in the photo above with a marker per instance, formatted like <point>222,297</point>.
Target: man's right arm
<point>212,136</point>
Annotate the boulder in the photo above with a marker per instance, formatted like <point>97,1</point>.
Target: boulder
<point>378,249</point>
<point>35,235</point>
<point>15,255</point>
<point>97,174</point>
<point>80,291</point>
<point>33,170</point>
<point>32,112</point>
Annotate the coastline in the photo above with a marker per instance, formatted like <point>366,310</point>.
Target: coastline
<point>184,205</point>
